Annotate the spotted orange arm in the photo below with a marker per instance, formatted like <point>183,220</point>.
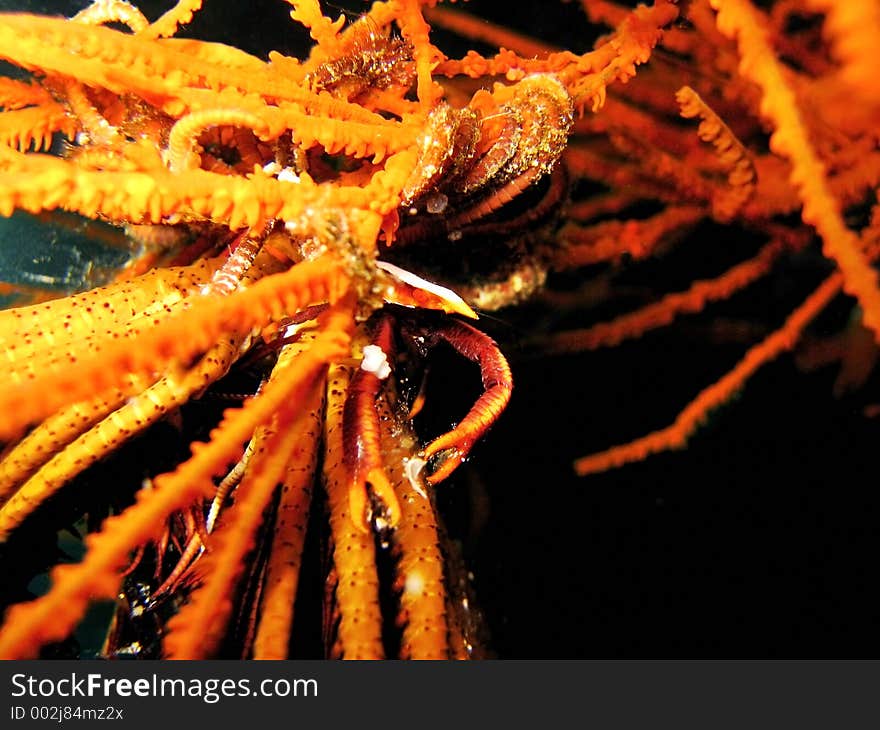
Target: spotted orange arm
<point>455,445</point>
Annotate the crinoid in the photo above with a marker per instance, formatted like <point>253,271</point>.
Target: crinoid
<point>319,231</point>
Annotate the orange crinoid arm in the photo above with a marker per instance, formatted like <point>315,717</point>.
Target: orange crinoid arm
<point>358,617</point>
<point>29,626</point>
<point>196,631</point>
<point>109,362</point>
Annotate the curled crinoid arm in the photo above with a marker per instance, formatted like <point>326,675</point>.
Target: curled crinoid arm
<point>436,147</point>
<point>731,152</point>
<point>534,128</point>
<point>454,446</point>
<point>547,111</point>
<point>183,152</point>
<point>112,11</point>
<point>504,129</point>
<point>360,432</point>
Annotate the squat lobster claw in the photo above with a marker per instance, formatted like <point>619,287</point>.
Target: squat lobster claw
<point>363,452</point>
<point>453,447</point>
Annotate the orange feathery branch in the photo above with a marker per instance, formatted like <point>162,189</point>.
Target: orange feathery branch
<point>659,314</point>
<point>324,31</point>
<point>126,416</point>
<point>288,535</point>
<point>33,125</point>
<point>609,240</point>
<point>738,19</point>
<point>197,630</point>
<point>167,24</point>
<point>426,55</point>
<point>689,420</point>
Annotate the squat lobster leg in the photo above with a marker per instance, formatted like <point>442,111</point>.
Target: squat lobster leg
<point>455,445</point>
<point>360,430</point>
